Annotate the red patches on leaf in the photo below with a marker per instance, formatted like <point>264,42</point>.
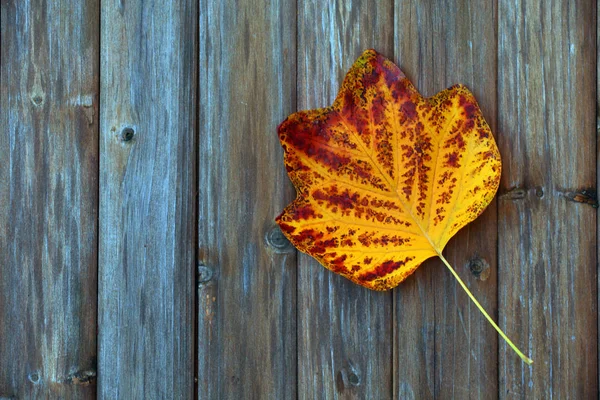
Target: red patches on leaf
<point>444,198</point>
<point>360,171</point>
<point>386,240</point>
<point>352,113</point>
<point>400,90</point>
<point>304,212</point>
<point>371,79</point>
<point>331,229</point>
<point>456,141</point>
<point>285,227</point>
<point>391,73</point>
<point>321,246</point>
<point>310,235</point>
<point>337,264</point>
<point>365,239</point>
<point>347,243</point>
<point>378,110</point>
<point>445,176</point>
<point>330,243</point>
<point>311,138</point>
<point>384,269</point>
<point>452,160</point>
<point>409,109</point>
<point>470,108</point>
<point>344,200</point>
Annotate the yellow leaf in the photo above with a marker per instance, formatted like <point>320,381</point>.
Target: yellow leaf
<point>385,177</point>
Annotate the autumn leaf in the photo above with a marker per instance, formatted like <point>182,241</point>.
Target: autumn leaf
<point>385,177</point>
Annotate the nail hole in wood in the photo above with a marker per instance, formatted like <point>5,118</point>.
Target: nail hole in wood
<point>539,192</point>
<point>127,134</point>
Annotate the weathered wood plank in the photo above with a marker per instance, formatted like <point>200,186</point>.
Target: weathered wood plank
<point>147,195</point>
<point>450,347</point>
<point>344,330</point>
<point>247,318</point>
<point>547,243</point>
<point>48,198</point>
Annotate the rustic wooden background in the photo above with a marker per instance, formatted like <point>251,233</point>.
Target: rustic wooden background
<point>140,174</point>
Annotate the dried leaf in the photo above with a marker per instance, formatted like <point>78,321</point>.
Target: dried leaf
<point>385,177</point>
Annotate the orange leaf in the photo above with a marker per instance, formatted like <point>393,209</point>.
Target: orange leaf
<point>385,177</point>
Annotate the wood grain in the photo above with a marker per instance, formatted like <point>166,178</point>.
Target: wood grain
<point>147,202</point>
<point>130,131</point>
<point>547,245</point>
<point>247,309</point>
<point>440,331</point>
<point>48,199</point>
<point>344,330</point>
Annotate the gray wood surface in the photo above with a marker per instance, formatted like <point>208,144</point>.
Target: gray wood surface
<point>450,347</point>
<point>48,199</point>
<point>344,330</point>
<point>547,241</point>
<point>247,310</point>
<point>140,175</point>
<point>147,199</point>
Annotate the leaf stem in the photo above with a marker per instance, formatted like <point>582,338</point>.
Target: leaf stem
<point>528,360</point>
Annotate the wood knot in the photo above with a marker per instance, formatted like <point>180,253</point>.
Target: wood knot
<point>479,267</point>
<point>585,196</point>
<point>347,378</point>
<point>277,241</point>
<point>513,194</point>
<point>34,378</point>
<point>205,274</point>
<point>83,378</point>
<point>37,100</point>
<point>353,379</point>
